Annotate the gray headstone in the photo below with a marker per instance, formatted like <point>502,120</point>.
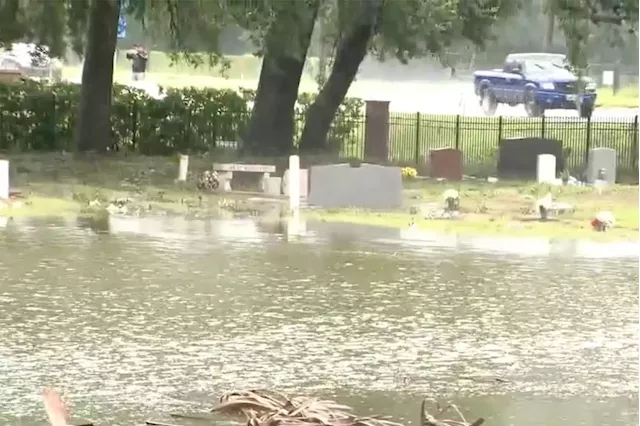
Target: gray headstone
<point>602,158</point>
<point>369,186</point>
<point>272,185</point>
<point>304,183</point>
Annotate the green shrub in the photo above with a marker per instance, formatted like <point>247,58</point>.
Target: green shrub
<point>36,117</point>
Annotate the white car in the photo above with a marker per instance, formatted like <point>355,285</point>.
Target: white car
<point>32,61</point>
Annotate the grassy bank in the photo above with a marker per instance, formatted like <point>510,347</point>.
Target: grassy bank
<point>61,184</point>
<point>507,209</point>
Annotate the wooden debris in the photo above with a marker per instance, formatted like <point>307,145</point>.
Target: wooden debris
<point>427,419</point>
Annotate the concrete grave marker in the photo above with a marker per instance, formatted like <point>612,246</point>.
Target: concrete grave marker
<point>368,186</point>
<point>546,168</point>
<point>602,160</point>
<point>272,185</point>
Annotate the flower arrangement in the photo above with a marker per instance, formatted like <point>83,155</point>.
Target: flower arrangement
<point>409,173</point>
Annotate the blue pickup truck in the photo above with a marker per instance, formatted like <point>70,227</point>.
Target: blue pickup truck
<point>540,81</point>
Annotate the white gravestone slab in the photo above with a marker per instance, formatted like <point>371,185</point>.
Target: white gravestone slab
<point>546,171</point>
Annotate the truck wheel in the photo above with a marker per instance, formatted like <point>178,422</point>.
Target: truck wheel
<point>488,102</point>
<point>586,111</point>
<point>530,105</point>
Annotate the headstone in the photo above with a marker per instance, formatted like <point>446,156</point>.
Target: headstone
<point>369,186</point>
<point>599,159</point>
<point>304,183</point>
<point>518,157</point>
<point>546,170</point>
<point>4,179</point>
<point>376,130</point>
<point>272,185</point>
<point>183,168</point>
<point>293,182</point>
<point>445,163</point>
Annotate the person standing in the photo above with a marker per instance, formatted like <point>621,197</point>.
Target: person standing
<point>139,58</point>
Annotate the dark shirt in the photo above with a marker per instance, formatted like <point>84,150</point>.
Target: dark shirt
<point>138,61</point>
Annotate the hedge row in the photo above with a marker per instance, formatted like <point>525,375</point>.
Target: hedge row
<point>36,117</point>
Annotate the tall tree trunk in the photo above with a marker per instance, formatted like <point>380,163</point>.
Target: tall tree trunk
<point>350,53</point>
<point>270,130</point>
<point>548,38</point>
<point>93,128</point>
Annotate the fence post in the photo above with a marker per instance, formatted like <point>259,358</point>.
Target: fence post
<point>457,132</point>
<point>588,144</point>
<point>499,130</point>
<point>543,124</point>
<point>634,154</point>
<point>417,138</point>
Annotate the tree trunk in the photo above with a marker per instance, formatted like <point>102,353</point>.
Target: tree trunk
<point>350,53</point>
<point>93,128</point>
<point>551,23</point>
<point>271,127</point>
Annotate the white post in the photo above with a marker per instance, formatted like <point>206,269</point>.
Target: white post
<point>294,184</point>
<point>184,168</point>
<point>546,168</point>
<point>4,179</point>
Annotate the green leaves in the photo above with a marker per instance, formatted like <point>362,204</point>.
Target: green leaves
<point>577,19</point>
<point>418,28</point>
<point>44,22</point>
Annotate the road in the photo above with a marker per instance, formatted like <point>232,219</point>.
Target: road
<point>454,98</point>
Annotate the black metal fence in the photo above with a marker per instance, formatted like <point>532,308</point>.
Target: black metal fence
<point>412,136</point>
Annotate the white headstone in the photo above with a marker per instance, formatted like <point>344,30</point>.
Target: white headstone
<point>4,179</point>
<point>546,171</point>
<point>184,168</point>
<point>604,159</point>
<point>294,183</point>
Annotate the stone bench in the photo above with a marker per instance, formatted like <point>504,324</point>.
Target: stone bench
<point>225,173</point>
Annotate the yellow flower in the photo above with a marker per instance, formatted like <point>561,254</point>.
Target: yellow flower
<point>409,172</point>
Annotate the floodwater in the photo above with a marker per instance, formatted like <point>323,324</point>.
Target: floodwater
<point>160,315</point>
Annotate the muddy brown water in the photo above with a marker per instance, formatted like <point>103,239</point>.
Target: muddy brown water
<point>160,315</point>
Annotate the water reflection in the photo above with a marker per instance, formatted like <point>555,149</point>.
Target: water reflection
<point>160,314</point>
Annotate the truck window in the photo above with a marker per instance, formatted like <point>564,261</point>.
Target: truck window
<point>512,66</point>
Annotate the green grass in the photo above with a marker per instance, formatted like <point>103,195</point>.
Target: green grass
<point>506,208</point>
<point>241,67</point>
<point>58,184</point>
<point>626,97</point>
<point>36,205</point>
